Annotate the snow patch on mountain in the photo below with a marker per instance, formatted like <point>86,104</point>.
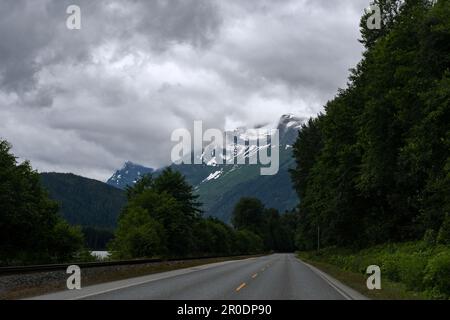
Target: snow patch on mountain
<point>129,174</point>
<point>214,176</point>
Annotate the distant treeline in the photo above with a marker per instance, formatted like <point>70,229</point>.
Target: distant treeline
<point>375,166</point>
<point>97,239</point>
<point>163,219</point>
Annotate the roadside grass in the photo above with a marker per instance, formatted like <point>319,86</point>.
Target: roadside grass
<point>412,271</point>
<point>390,290</point>
<point>108,274</point>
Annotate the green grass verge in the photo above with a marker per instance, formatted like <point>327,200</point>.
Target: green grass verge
<point>413,270</point>
<point>390,290</point>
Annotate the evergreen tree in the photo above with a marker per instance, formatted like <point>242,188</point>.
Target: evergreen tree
<point>169,202</point>
<point>31,230</point>
<point>248,214</point>
<point>375,166</point>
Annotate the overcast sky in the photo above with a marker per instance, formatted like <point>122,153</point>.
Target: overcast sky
<point>85,101</point>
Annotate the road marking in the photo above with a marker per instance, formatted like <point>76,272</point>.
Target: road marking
<point>155,277</point>
<point>324,276</point>
<point>341,292</point>
<point>254,276</point>
<point>240,287</point>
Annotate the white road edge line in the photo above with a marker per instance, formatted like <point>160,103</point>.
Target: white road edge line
<point>342,293</point>
<point>333,283</point>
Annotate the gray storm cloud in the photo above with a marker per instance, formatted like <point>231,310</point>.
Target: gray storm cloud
<point>85,101</point>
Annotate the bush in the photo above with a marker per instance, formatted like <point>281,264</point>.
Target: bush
<point>444,232</point>
<point>138,236</point>
<point>437,274</point>
<point>390,266</point>
<point>248,242</point>
<point>418,266</point>
<point>430,237</point>
<point>412,270</point>
<point>67,241</point>
<point>213,237</point>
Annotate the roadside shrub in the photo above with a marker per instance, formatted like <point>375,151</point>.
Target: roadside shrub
<point>430,237</point>
<point>390,267</point>
<point>417,265</point>
<point>138,235</point>
<point>412,270</point>
<point>437,274</point>
<point>444,232</point>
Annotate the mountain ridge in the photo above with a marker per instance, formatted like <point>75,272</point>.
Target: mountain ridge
<point>220,186</point>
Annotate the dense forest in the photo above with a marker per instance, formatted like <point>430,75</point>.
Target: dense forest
<point>163,218</point>
<point>91,204</point>
<point>83,201</point>
<point>31,230</point>
<point>375,166</point>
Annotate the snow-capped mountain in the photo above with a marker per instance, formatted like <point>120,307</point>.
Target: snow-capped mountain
<point>220,186</point>
<point>244,143</point>
<point>128,175</point>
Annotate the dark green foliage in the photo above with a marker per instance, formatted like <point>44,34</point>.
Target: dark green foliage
<point>249,214</point>
<point>248,242</point>
<point>31,231</point>
<point>97,239</point>
<point>437,275</point>
<point>444,233</point>
<point>275,231</point>
<point>215,238</point>
<point>420,267</point>
<point>174,184</point>
<point>375,167</point>
<point>83,201</point>
<point>162,219</point>
<point>430,237</point>
<point>138,236</point>
<point>150,205</point>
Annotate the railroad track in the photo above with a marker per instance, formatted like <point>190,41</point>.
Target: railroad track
<point>64,266</point>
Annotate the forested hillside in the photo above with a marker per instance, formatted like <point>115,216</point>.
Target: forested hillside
<point>91,204</point>
<point>375,166</point>
<point>83,201</point>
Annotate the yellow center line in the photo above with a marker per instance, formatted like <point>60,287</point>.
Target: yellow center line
<point>240,287</point>
<point>254,276</point>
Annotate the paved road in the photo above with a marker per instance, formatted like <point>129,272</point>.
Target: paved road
<point>274,277</point>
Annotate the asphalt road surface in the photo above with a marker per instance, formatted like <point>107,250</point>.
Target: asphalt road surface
<point>273,277</point>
